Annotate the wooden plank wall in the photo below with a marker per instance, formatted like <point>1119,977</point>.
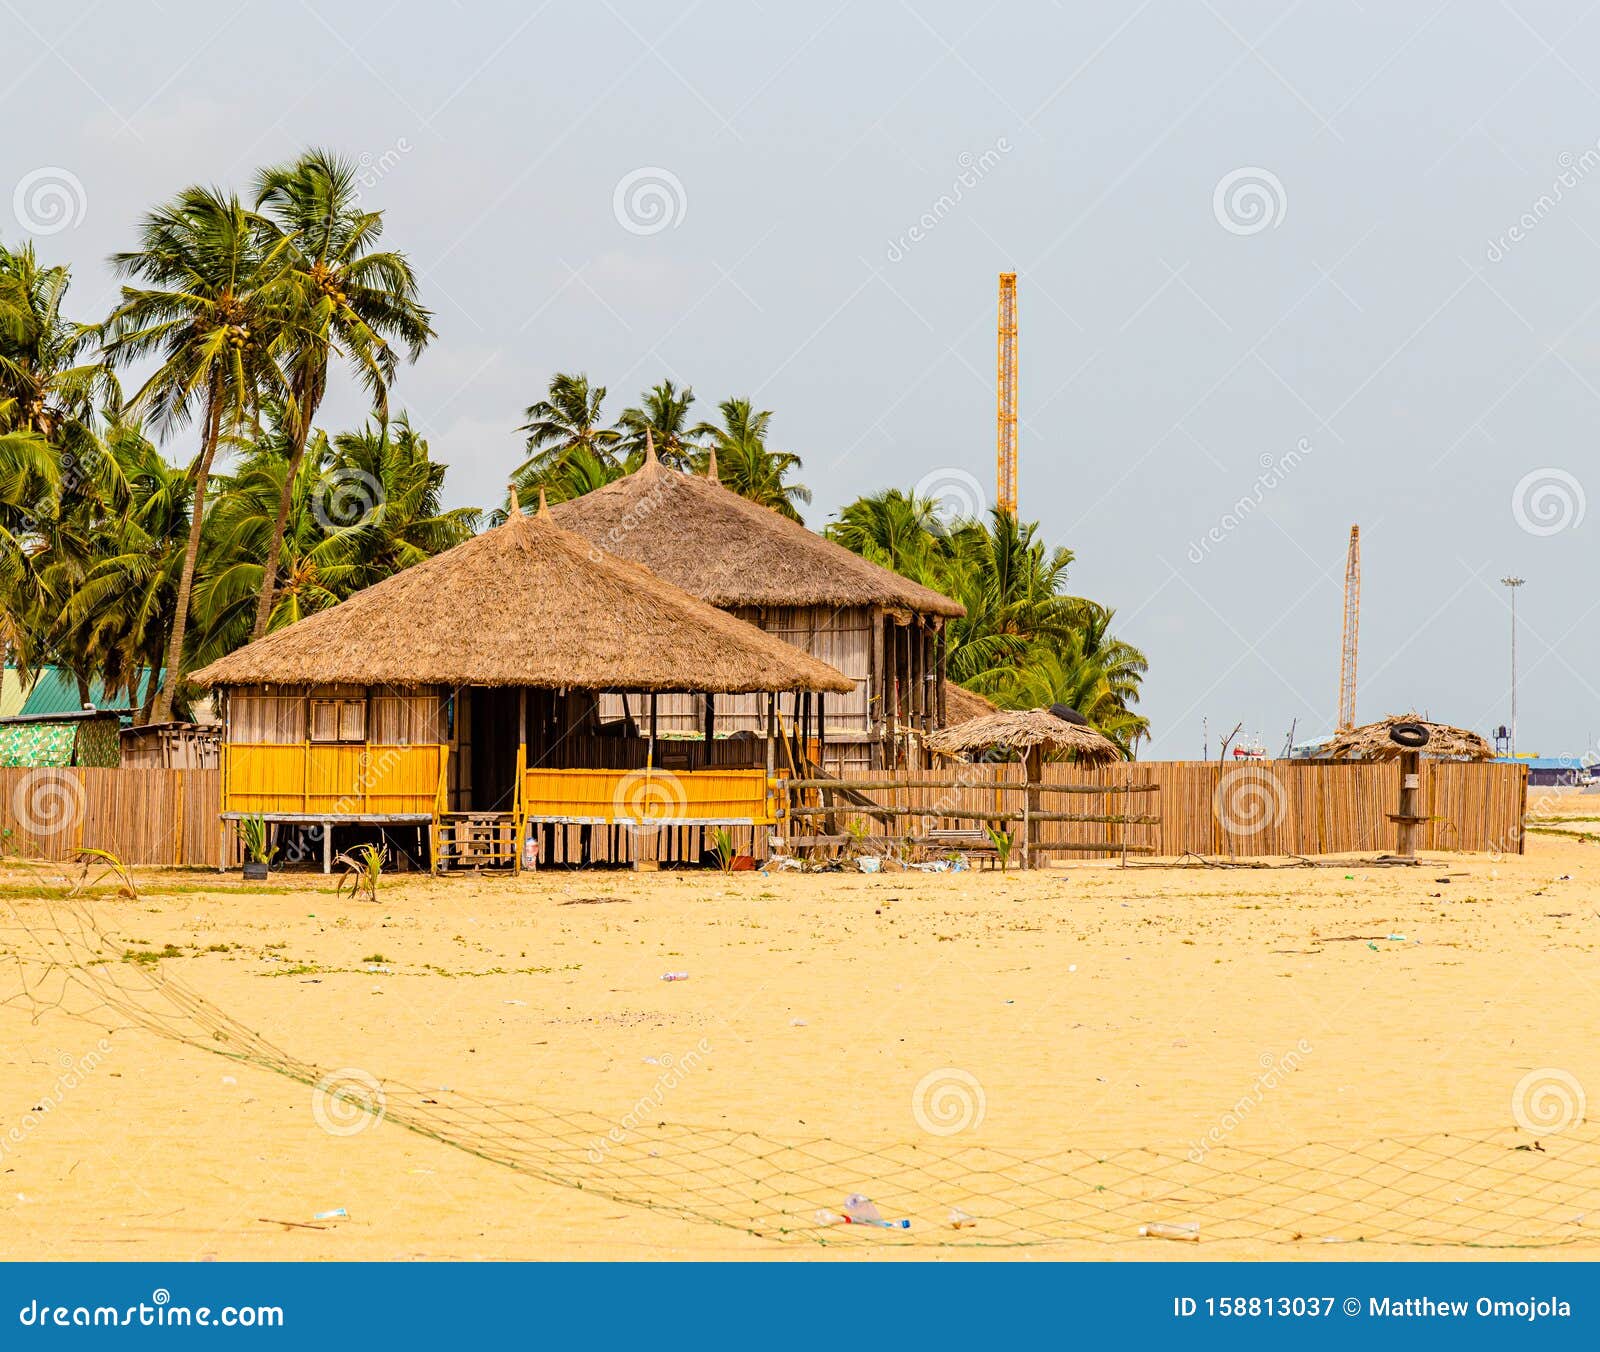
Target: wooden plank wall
<point>1246,809</point>
<point>143,816</point>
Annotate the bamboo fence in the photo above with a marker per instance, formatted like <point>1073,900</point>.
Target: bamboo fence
<point>1239,809</point>
<point>170,817</point>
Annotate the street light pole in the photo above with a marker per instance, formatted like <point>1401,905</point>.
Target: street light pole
<point>1512,583</point>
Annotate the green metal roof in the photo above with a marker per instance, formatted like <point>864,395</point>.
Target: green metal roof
<point>56,692</point>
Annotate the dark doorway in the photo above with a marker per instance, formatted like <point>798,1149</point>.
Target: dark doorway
<point>494,749</point>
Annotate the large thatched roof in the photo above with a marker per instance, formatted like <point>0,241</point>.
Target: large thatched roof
<point>526,603</point>
<point>1372,742</point>
<point>729,551</point>
<point>1022,730</point>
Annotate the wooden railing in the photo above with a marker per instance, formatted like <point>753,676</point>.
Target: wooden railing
<point>332,779</point>
<point>649,797</point>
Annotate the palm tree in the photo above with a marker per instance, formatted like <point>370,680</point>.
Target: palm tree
<point>209,311</point>
<point>663,414</point>
<point>744,463</point>
<point>898,531</point>
<point>566,421</point>
<point>352,301</point>
<point>48,383</point>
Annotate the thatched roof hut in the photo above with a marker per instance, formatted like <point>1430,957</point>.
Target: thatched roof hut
<point>1024,731</point>
<point>962,704</point>
<point>526,604</point>
<point>1373,742</point>
<point>725,549</point>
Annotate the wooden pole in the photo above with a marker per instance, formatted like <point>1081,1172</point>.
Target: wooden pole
<point>711,726</point>
<point>522,766</point>
<point>772,733</point>
<point>650,750</point>
<point>940,713</point>
<point>1409,819</point>
<point>1033,767</point>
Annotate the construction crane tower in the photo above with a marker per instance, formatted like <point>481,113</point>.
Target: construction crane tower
<point>1352,626</point>
<point>1006,398</point>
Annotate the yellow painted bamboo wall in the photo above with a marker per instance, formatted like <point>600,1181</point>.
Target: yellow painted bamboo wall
<point>647,795</point>
<point>334,778</point>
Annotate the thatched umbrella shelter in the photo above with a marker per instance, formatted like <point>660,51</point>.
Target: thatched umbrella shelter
<point>1407,738</point>
<point>468,686</point>
<point>1031,734</point>
<point>1372,741</point>
<point>882,630</point>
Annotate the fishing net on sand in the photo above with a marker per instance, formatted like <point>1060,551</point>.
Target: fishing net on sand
<point>1499,1188</point>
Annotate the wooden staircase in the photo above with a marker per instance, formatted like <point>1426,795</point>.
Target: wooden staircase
<point>477,840</point>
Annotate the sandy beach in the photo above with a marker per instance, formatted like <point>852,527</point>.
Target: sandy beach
<point>1084,1005</point>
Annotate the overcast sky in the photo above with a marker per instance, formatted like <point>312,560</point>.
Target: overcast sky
<point>1281,269</point>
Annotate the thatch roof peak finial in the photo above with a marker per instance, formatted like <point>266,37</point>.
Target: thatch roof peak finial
<point>649,448</point>
<point>544,507</point>
<point>711,467</point>
<point>515,506</point>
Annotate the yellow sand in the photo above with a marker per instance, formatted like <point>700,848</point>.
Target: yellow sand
<point>1094,1006</point>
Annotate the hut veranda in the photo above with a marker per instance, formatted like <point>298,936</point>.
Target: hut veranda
<point>883,631</point>
<point>458,704</point>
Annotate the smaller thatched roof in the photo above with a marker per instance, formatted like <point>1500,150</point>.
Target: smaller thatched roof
<point>725,549</point>
<point>526,604</point>
<point>1371,741</point>
<point>961,704</point>
<point>1023,730</point>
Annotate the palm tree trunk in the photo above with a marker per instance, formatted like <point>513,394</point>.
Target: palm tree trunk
<point>162,710</point>
<point>269,573</point>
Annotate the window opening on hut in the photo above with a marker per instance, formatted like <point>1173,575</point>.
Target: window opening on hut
<point>338,720</point>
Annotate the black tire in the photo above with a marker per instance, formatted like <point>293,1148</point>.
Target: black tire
<point>1412,735</point>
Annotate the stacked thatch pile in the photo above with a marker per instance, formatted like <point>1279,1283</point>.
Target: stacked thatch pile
<point>526,604</point>
<point>1024,731</point>
<point>725,549</point>
<point>1372,742</point>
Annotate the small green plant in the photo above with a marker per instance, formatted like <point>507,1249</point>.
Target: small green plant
<point>857,829</point>
<point>722,847</point>
<point>363,871</point>
<point>375,957</point>
<point>111,865</point>
<point>252,833</point>
<point>1002,842</point>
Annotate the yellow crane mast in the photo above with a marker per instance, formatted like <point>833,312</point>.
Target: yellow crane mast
<point>1006,399</point>
<point>1352,625</point>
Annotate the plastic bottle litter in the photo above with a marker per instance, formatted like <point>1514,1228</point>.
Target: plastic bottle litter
<point>1189,1231</point>
<point>869,863</point>
<point>674,976</point>
<point>337,1214</point>
<point>859,1209</point>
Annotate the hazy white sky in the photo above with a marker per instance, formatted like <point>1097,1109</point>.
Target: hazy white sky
<point>1331,261</point>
